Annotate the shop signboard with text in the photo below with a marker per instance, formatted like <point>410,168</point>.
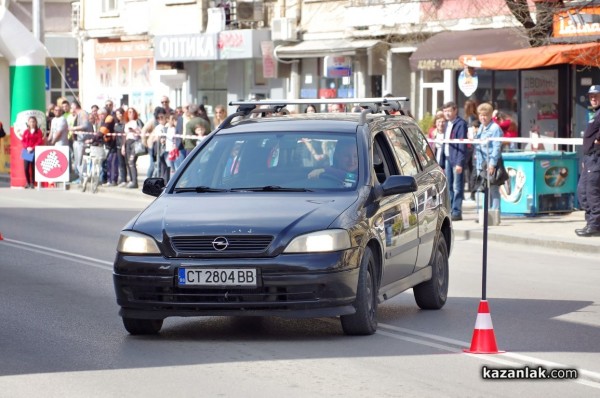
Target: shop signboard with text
<point>337,66</point>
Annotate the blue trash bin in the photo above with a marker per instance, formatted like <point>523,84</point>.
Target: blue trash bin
<point>540,182</point>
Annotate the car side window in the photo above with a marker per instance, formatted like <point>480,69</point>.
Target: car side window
<point>402,149</point>
<point>424,151</point>
<point>380,167</point>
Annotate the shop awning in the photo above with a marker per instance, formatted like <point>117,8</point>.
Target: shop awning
<point>587,54</point>
<point>442,50</point>
<point>322,48</point>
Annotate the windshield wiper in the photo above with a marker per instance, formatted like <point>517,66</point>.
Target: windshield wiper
<point>272,188</point>
<point>199,189</point>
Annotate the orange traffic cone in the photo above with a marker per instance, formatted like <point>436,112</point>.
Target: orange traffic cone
<point>484,340</point>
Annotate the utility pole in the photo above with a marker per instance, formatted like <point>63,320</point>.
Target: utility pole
<point>37,19</point>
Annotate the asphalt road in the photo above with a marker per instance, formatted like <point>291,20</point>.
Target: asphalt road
<point>60,334</point>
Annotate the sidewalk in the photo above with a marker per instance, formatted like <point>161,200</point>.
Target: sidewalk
<point>547,230</point>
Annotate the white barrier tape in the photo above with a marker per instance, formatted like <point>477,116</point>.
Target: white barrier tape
<point>556,141</point>
<point>188,137</point>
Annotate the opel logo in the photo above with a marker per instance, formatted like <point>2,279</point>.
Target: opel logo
<point>220,243</point>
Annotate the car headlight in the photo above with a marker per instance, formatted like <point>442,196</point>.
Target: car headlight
<point>136,243</point>
<point>321,241</point>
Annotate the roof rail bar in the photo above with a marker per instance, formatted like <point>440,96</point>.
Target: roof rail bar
<point>369,105</point>
<point>308,101</point>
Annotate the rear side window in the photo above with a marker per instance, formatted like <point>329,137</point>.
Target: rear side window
<point>402,149</point>
<point>424,151</point>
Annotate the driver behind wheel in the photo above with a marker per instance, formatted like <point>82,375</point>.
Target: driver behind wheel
<point>345,165</point>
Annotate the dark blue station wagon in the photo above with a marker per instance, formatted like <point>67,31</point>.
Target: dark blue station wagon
<point>312,215</point>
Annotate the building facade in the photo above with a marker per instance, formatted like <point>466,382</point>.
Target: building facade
<point>133,52</point>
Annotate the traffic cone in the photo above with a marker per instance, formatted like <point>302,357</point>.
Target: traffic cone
<point>484,340</point>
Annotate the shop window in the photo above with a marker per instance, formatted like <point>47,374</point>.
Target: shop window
<point>212,85</point>
<point>63,80</point>
<point>433,76</point>
<point>110,6</point>
<point>505,91</point>
<point>484,92</point>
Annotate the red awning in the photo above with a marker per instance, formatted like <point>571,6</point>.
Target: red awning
<point>586,54</point>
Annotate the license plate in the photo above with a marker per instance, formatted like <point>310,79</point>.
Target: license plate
<point>243,277</point>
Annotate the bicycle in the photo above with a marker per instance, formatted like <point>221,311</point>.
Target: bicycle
<point>92,166</point>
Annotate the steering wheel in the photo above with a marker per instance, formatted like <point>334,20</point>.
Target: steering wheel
<point>329,177</point>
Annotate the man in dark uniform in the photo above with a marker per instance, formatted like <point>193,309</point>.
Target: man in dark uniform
<point>588,189</point>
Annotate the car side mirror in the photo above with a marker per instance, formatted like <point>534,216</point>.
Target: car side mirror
<point>395,185</point>
<point>153,186</point>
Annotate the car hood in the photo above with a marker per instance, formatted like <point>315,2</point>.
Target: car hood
<point>241,213</point>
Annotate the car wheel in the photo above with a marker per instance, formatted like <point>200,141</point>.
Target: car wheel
<point>364,321</point>
<point>432,294</point>
<point>142,326</point>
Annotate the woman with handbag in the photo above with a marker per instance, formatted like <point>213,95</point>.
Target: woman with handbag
<point>133,131</point>
<point>488,155</point>
<point>32,137</point>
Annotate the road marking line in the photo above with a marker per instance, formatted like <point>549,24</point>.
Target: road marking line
<point>592,379</point>
<point>93,262</point>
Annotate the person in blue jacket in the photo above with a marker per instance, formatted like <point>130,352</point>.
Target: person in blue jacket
<point>488,155</point>
<point>454,156</point>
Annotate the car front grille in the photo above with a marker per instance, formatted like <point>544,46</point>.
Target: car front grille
<point>261,297</point>
<point>235,243</point>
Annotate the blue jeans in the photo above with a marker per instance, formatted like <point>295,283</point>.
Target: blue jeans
<point>456,188</point>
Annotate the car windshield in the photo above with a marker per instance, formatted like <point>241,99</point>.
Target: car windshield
<point>272,161</point>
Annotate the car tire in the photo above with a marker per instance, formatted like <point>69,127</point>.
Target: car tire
<point>142,326</point>
<point>364,320</point>
<point>432,294</point>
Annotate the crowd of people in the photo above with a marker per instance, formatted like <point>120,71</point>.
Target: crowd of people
<point>171,133</point>
<point>166,138</point>
<point>465,163</point>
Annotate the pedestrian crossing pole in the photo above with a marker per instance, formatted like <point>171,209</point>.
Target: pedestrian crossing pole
<point>486,191</point>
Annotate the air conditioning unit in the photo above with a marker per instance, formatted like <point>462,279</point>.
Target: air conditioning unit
<point>249,10</point>
<point>284,29</point>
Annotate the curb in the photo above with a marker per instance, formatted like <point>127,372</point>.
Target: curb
<point>590,248</point>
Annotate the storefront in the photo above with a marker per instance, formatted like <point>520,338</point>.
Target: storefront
<point>437,67</point>
<point>122,74</point>
<point>336,68</point>
<point>554,80</point>
<point>218,67</point>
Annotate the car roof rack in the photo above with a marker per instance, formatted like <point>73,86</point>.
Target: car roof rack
<point>368,105</point>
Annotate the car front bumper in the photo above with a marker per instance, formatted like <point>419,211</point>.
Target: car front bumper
<point>291,285</point>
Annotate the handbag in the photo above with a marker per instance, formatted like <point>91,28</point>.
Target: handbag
<point>173,154</point>
<point>26,155</point>
<point>139,148</point>
<point>499,177</point>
